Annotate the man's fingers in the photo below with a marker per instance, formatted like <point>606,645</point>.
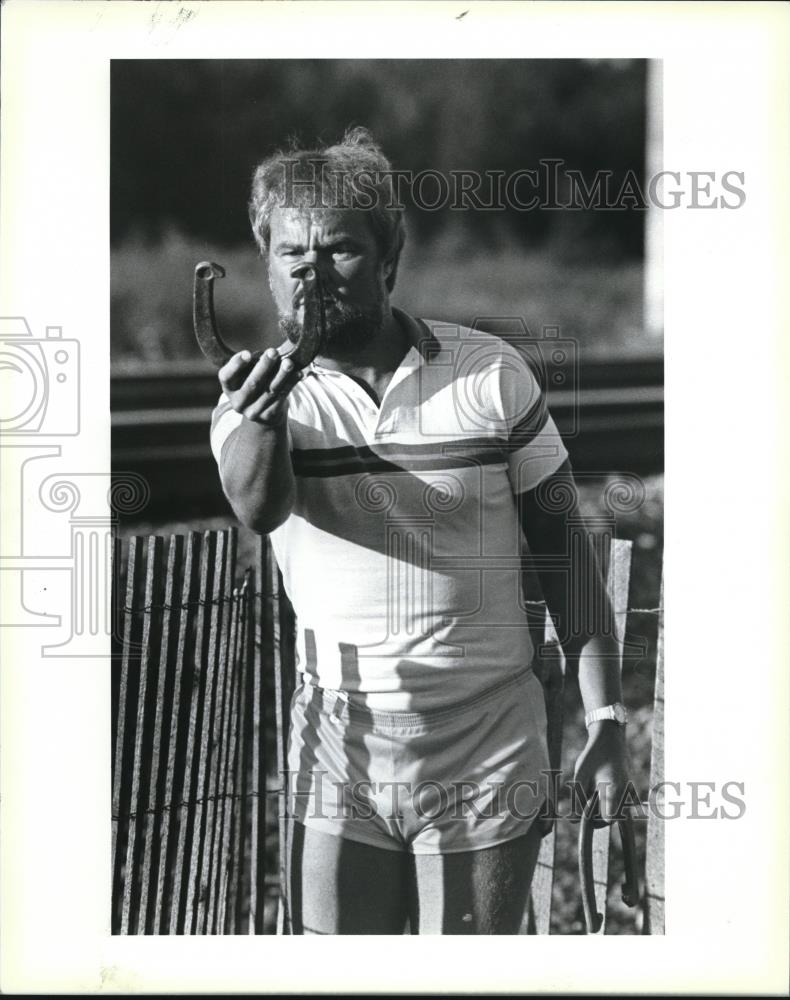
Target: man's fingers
<point>283,376</point>
<point>277,391</point>
<point>281,385</point>
<point>257,385</point>
<point>607,804</point>
<point>232,374</point>
<point>259,379</point>
<point>607,796</point>
<point>613,800</point>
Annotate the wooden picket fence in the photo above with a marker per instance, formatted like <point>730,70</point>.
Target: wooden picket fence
<point>203,674</point>
<point>189,762</point>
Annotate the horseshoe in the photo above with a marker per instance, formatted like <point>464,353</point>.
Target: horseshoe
<point>207,332</point>
<point>592,918</point>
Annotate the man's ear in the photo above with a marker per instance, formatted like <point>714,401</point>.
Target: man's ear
<point>389,269</point>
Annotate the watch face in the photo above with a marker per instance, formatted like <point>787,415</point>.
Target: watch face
<point>620,714</point>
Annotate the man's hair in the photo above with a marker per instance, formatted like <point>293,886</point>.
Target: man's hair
<point>353,173</point>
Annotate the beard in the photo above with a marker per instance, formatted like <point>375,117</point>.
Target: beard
<point>347,328</point>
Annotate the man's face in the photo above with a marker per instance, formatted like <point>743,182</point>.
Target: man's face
<point>353,277</point>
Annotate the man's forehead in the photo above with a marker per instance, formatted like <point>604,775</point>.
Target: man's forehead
<point>297,221</point>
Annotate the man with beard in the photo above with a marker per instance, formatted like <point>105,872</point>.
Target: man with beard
<point>397,475</point>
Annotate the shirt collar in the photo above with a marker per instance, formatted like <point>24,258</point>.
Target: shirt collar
<point>420,335</point>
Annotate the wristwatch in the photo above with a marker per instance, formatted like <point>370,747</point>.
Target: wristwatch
<point>616,713</point>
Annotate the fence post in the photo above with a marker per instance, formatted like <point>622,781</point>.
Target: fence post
<point>654,869</point>
<point>223,613</point>
<point>263,632</point>
<point>617,583</point>
<point>155,815</point>
<point>125,714</point>
<point>202,845</point>
<point>284,680</point>
<point>242,793</point>
<point>550,669</point>
<point>225,790</point>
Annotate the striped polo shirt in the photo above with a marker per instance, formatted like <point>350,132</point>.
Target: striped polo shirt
<point>401,555</point>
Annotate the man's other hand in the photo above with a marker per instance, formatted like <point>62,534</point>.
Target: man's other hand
<point>258,386</point>
<point>602,766</point>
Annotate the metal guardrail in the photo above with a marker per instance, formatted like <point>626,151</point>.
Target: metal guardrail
<point>612,420</point>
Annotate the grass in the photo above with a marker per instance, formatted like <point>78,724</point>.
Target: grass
<point>453,279</point>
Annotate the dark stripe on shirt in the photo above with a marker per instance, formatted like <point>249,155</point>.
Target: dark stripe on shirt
<point>441,449</point>
<point>432,458</point>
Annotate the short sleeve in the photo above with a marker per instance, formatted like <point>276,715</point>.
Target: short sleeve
<point>224,421</point>
<point>534,447</point>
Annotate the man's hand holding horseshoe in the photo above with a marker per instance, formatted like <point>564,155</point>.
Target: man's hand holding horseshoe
<point>258,386</point>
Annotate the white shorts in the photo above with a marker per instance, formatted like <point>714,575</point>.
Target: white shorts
<point>456,778</point>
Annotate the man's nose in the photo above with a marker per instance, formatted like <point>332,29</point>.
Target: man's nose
<point>313,262</point>
<point>311,278</point>
<point>308,260</point>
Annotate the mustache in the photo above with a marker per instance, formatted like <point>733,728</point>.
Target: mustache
<point>328,293</point>
<point>336,312</point>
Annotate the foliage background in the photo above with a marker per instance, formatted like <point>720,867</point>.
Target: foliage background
<point>186,136</point>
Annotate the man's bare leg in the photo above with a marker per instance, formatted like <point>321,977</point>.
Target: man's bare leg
<point>475,892</point>
<point>338,886</point>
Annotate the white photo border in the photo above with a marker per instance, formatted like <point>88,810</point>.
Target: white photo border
<point>726,90</point>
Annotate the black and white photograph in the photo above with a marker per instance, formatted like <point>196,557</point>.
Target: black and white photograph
<point>373,382</point>
<point>387,349</point>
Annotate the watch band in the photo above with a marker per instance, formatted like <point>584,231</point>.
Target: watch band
<point>616,712</point>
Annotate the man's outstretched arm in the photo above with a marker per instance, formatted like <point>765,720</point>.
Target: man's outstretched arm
<point>575,592</point>
<point>254,461</point>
